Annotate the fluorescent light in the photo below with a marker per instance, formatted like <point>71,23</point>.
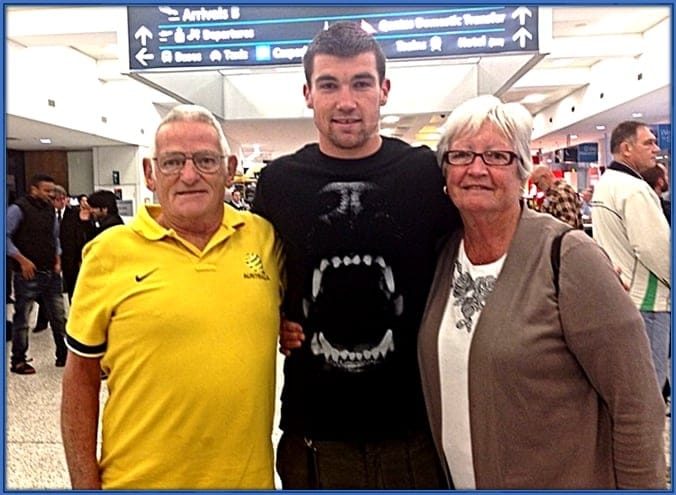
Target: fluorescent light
<point>45,141</point>
<point>572,136</point>
<point>600,127</point>
<point>390,119</point>
<point>637,115</point>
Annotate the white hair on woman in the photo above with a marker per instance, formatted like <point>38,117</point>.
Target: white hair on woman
<point>512,119</point>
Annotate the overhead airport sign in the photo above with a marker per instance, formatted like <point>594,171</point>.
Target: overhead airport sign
<point>221,36</point>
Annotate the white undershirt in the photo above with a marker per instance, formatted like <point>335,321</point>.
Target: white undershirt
<point>471,285</point>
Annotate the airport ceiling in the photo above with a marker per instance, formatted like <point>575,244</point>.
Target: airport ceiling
<point>569,22</point>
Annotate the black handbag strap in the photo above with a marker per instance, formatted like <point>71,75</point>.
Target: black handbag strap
<point>556,258</point>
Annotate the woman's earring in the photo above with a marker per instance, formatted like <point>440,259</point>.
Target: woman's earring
<point>445,190</point>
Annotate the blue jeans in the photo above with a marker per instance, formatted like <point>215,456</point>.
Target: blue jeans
<point>48,285</point>
<point>657,326</point>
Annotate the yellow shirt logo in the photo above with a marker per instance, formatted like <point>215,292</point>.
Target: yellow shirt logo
<point>254,263</point>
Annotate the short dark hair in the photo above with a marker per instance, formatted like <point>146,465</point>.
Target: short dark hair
<point>343,39</point>
<point>625,131</point>
<point>653,174</point>
<point>103,199</point>
<point>37,178</point>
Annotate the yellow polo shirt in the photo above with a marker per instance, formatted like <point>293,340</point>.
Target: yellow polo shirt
<point>188,339</point>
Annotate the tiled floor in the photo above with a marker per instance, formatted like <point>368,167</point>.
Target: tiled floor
<point>34,454</point>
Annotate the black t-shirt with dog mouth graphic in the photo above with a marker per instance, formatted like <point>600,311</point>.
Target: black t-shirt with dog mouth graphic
<point>360,238</point>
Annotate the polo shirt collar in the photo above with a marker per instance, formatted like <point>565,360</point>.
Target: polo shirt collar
<point>145,225</point>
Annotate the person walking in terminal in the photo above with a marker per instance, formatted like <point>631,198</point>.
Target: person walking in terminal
<point>630,225</point>
<point>67,219</point>
<point>72,238</point>
<point>181,308</point>
<point>35,251</point>
<point>560,199</point>
<point>360,257</point>
<point>536,367</point>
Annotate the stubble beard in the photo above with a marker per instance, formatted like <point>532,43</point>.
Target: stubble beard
<point>352,141</point>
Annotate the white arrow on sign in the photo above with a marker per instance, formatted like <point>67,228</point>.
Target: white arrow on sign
<point>521,35</point>
<point>143,33</point>
<point>143,55</point>
<point>521,13</point>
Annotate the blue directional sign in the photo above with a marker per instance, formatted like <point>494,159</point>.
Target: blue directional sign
<point>193,36</point>
<point>663,134</point>
<point>588,152</point>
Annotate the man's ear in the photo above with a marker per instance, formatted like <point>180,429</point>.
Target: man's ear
<point>230,170</point>
<point>308,96</point>
<point>625,148</point>
<point>384,91</point>
<point>148,174</point>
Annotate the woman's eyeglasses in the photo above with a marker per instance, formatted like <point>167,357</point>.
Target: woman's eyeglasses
<point>492,158</point>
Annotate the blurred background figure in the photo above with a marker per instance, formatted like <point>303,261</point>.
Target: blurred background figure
<point>72,234</point>
<point>103,212</point>
<point>586,196</point>
<point>72,237</point>
<point>658,178</point>
<point>560,199</point>
<point>34,246</point>
<point>586,210</point>
<point>236,200</point>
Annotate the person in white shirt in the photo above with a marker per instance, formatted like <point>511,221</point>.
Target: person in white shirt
<point>630,226</point>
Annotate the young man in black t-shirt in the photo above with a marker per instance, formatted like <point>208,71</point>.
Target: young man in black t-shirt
<point>360,255</point>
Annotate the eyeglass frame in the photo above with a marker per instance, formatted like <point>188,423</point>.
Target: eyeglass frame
<point>474,154</point>
<point>186,157</point>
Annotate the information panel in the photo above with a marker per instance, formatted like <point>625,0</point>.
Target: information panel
<point>220,36</point>
<point>663,134</point>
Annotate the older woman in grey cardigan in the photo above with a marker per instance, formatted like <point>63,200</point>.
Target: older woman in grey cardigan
<point>535,376</point>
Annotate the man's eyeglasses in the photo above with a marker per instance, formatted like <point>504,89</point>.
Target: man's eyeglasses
<point>493,158</point>
<point>205,161</point>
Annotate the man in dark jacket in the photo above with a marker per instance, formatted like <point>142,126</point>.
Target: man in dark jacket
<point>34,247</point>
<point>72,237</point>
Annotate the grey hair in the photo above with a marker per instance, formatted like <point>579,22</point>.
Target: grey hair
<point>625,132</point>
<point>512,119</point>
<point>59,191</point>
<point>193,113</point>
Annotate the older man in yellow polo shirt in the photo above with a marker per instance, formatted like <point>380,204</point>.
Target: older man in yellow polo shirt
<point>181,309</point>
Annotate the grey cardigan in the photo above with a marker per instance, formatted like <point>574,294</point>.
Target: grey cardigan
<point>562,393</point>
